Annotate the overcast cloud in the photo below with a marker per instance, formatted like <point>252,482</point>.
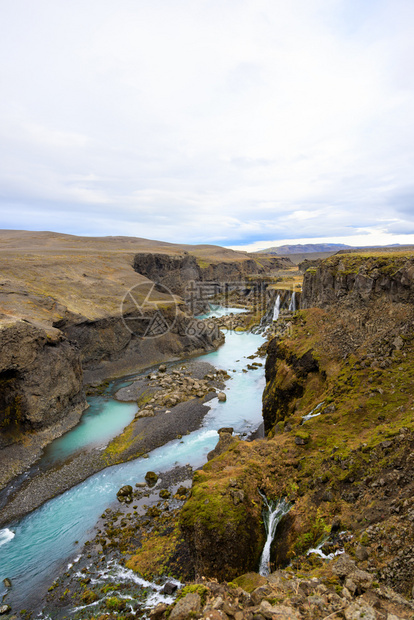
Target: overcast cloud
<point>209,121</point>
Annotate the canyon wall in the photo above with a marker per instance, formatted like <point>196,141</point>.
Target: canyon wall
<point>176,271</point>
<point>359,279</point>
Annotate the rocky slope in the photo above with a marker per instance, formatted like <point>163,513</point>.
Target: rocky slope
<point>340,590</point>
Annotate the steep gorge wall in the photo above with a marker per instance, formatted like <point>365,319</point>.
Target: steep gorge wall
<point>368,310</point>
<point>359,279</point>
<point>174,272</point>
<point>40,378</point>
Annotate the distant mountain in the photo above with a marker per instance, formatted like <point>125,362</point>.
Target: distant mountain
<point>284,250</point>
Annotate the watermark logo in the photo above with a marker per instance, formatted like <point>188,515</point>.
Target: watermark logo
<point>149,310</point>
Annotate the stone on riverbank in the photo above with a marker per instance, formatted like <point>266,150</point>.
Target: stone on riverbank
<point>151,478</point>
<point>5,609</point>
<point>125,494</point>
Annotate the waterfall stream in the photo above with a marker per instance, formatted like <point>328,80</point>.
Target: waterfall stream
<point>273,513</point>
<point>276,309</point>
<point>292,303</point>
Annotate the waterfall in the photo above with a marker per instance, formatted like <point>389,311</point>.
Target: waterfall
<point>325,556</point>
<point>272,515</point>
<point>276,309</point>
<point>292,304</point>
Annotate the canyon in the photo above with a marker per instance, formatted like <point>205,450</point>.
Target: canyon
<point>64,322</point>
<point>337,412</point>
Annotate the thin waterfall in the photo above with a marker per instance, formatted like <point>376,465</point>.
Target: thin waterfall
<point>292,304</point>
<point>273,513</point>
<point>276,309</point>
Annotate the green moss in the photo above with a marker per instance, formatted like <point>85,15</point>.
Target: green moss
<point>203,264</point>
<point>194,588</point>
<point>250,581</point>
<point>145,398</point>
<point>89,597</point>
<point>120,444</point>
<point>115,604</point>
<point>318,530</point>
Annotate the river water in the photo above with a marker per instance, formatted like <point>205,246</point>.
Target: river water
<point>33,550</point>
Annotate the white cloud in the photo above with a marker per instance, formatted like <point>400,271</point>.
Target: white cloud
<point>195,121</point>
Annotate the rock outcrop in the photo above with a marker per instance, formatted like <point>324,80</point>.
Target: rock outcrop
<point>286,374</point>
<point>40,376</point>
<point>176,271</point>
<point>359,278</point>
<point>173,272</point>
<point>41,393</point>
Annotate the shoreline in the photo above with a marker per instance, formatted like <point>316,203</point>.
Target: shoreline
<point>148,433</point>
<point>21,456</point>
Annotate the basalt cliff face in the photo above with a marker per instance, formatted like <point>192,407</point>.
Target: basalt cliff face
<point>40,377</point>
<point>340,433</point>
<point>176,272</point>
<point>359,279</point>
<point>173,272</point>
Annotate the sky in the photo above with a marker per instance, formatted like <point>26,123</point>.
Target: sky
<point>243,123</point>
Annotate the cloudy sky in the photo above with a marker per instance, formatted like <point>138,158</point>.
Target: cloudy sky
<point>239,122</point>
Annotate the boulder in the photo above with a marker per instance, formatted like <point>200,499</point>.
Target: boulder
<point>182,490</point>
<point>358,581</point>
<point>222,397</point>
<point>359,610</point>
<point>226,440</point>
<point>215,614</point>
<point>169,588</point>
<point>4,609</point>
<point>361,553</point>
<point>125,494</point>
<point>278,612</point>
<point>302,438</point>
<point>7,582</point>
<point>187,607</point>
<point>344,566</point>
<point>151,478</point>
<point>158,611</point>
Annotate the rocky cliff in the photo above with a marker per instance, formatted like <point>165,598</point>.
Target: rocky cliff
<point>175,272</point>
<point>41,391</point>
<point>360,278</point>
<point>41,378</point>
